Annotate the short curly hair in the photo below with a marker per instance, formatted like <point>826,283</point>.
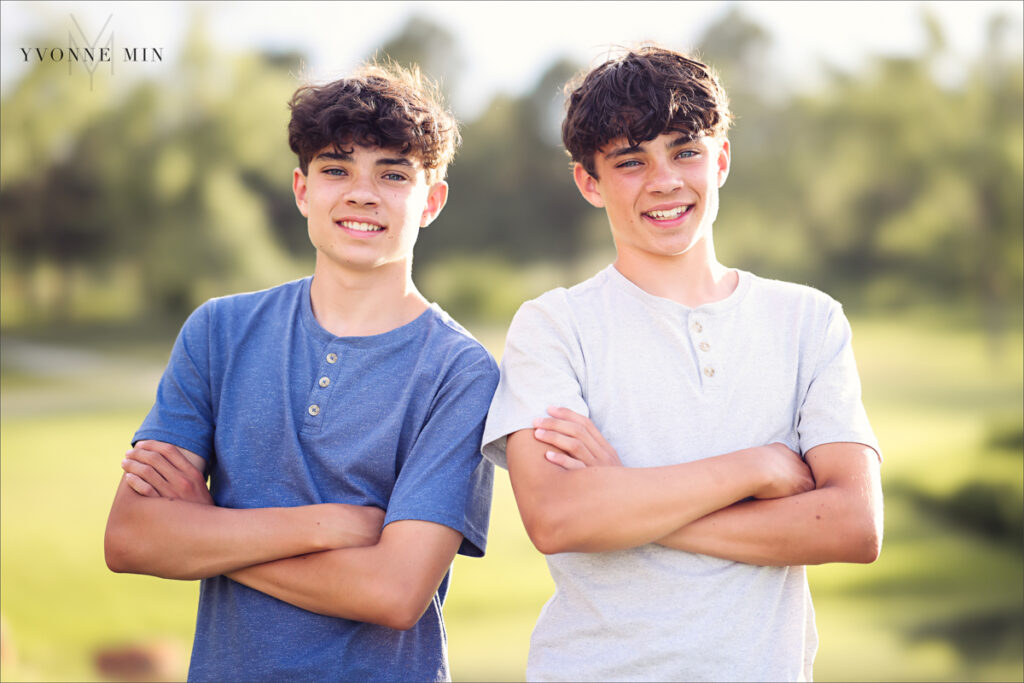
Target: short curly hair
<point>380,105</point>
<point>638,96</point>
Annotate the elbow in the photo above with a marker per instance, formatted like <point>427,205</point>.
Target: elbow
<point>396,606</point>
<point>869,545</point>
<point>863,542</point>
<point>401,614</point>
<point>117,550</point>
<point>548,543</point>
<point>402,618</point>
<point>124,554</point>
<point>551,536</point>
<point>871,531</point>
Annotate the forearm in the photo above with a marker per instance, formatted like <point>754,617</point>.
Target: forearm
<point>181,540</point>
<point>390,583</point>
<point>611,508</point>
<point>351,583</point>
<point>840,521</point>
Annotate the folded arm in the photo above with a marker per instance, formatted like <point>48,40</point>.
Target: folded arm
<point>163,522</point>
<point>574,497</point>
<point>390,583</point>
<point>839,521</point>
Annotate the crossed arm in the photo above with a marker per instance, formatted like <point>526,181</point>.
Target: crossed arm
<point>331,559</point>
<point>574,496</point>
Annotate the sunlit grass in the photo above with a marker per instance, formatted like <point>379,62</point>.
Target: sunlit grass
<point>58,480</point>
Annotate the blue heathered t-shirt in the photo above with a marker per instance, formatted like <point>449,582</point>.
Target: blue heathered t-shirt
<point>287,414</point>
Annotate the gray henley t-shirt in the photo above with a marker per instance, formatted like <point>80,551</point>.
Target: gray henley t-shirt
<point>667,384</point>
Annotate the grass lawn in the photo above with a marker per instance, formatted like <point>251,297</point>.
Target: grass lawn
<point>943,603</point>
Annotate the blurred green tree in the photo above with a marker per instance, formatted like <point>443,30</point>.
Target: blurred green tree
<point>896,184</point>
<point>432,47</point>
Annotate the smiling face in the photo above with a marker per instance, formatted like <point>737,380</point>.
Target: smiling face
<point>365,206</point>
<point>661,196</point>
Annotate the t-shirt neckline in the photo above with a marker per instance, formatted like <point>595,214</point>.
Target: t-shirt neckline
<point>624,284</point>
<point>395,335</point>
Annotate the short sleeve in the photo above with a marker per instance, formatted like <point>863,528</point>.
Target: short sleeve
<point>444,479</point>
<point>542,366</point>
<point>832,410</point>
<point>183,414</point>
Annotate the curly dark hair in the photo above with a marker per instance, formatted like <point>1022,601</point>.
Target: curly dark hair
<point>378,106</point>
<point>638,96</point>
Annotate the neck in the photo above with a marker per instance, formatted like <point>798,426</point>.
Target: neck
<point>362,303</point>
<point>692,279</point>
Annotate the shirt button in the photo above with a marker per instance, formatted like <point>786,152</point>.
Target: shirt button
<point>314,410</point>
<point>332,358</point>
<point>324,381</point>
<point>709,371</point>
<point>697,327</point>
<point>704,346</point>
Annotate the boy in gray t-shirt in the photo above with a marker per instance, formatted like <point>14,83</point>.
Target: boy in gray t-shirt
<point>704,438</point>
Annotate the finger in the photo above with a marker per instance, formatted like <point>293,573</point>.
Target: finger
<point>574,430</point>
<point>154,459</point>
<point>173,455</point>
<point>565,414</point>
<point>565,443</point>
<point>588,425</point>
<point>564,461</point>
<point>140,471</point>
<point>140,486</point>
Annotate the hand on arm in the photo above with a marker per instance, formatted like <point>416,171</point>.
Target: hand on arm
<point>163,522</point>
<point>839,521</point>
<point>578,498</point>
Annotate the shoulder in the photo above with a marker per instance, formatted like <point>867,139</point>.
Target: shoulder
<point>234,313</point>
<point>245,303</point>
<point>802,302</point>
<point>789,291</point>
<point>566,306</point>
<point>454,347</point>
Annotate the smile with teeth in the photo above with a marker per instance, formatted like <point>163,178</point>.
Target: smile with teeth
<point>360,226</point>
<point>667,214</point>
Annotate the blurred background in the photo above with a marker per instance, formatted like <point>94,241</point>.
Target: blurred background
<point>878,155</point>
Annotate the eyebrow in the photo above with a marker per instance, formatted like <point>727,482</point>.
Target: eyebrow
<point>683,139</point>
<point>386,161</point>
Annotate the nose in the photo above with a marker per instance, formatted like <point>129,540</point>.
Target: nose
<point>361,192</point>
<point>663,178</point>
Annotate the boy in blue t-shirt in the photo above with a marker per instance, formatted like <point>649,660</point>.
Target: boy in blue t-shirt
<point>338,418</point>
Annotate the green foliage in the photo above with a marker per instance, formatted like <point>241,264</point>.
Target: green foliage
<point>892,186</point>
<point>428,45</point>
<point>1007,434</point>
<point>990,509</point>
<point>173,179</point>
<point>490,290</point>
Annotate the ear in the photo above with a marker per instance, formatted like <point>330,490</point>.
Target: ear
<point>587,185</point>
<point>299,188</point>
<point>437,197</point>
<point>724,160</point>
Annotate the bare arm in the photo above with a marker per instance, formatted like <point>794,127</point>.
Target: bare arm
<point>575,499</point>
<point>839,521</point>
<point>179,534</point>
<point>390,583</point>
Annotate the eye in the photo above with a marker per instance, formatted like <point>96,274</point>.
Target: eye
<point>398,177</point>
<point>687,154</point>
<point>334,171</point>
<point>629,163</point>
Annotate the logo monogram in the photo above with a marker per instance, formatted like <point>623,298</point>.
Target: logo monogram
<point>93,56</point>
